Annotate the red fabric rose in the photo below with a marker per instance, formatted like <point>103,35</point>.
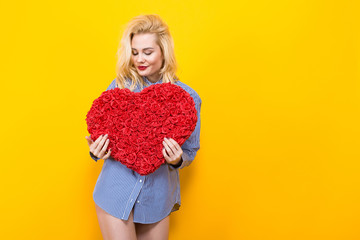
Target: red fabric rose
<point>136,123</point>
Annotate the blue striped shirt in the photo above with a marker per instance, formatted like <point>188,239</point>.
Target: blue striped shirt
<point>154,196</point>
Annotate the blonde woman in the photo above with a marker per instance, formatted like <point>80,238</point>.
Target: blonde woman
<point>128,205</point>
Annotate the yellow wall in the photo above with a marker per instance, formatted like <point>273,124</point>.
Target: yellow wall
<point>279,81</point>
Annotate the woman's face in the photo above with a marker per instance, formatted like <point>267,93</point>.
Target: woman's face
<point>146,55</point>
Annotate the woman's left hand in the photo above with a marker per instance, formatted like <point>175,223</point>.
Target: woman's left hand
<point>172,151</point>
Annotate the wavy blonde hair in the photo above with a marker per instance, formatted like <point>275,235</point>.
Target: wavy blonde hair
<point>125,69</point>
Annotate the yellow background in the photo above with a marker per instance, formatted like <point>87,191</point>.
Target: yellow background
<point>279,82</point>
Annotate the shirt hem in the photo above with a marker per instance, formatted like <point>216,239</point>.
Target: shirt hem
<point>173,209</point>
<point>109,211</point>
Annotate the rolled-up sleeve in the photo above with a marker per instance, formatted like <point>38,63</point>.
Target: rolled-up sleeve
<point>192,144</point>
<point>111,86</point>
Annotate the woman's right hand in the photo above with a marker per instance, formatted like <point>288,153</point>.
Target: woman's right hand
<point>98,148</point>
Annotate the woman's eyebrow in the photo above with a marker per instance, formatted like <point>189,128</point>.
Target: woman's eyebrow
<point>143,48</point>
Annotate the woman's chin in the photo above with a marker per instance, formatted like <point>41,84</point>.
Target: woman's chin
<point>142,74</point>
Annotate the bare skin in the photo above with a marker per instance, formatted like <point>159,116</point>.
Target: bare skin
<point>153,231</point>
<point>113,228</point>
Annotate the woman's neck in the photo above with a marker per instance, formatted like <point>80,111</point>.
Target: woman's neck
<point>154,79</point>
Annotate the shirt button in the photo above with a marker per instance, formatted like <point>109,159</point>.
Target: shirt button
<point>138,201</point>
<point>140,180</point>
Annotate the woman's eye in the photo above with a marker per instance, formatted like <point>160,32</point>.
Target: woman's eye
<point>145,53</point>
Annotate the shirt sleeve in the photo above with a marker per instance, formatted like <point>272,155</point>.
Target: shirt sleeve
<point>192,144</point>
<point>111,86</point>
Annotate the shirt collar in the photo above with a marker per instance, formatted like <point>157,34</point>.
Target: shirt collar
<point>150,83</point>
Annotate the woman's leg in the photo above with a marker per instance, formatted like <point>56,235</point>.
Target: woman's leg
<point>153,231</point>
<point>113,228</point>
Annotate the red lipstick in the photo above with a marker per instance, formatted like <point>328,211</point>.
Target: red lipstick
<point>142,67</point>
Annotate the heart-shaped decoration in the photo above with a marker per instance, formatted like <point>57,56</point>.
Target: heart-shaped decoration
<point>136,123</point>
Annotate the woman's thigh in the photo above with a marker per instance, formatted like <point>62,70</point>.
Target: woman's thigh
<point>153,231</point>
<point>113,228</point>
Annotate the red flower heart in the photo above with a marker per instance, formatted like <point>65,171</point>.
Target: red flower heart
<point>136,123</point>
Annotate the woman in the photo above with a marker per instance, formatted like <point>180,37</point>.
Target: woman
<point>128,205</point>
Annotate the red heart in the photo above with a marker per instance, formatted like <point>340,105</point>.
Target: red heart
<point>136,123</point>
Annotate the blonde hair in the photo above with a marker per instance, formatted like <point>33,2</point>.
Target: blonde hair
<point>150,23</point>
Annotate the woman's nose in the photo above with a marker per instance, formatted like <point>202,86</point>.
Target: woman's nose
<point>140,58</point>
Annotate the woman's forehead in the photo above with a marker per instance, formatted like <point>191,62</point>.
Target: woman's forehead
<point>143,41</point>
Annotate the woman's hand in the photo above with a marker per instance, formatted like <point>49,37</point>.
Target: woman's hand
<point>172,151</point>
<point>98,148</point>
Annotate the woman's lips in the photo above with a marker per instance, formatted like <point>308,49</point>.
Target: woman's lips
<point>141,67</point>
